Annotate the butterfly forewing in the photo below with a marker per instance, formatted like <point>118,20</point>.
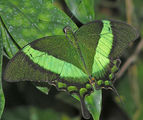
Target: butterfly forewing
<point>49,54</point>
<point>87,37</point>
<point>54,60</point>
<point>123,35</point>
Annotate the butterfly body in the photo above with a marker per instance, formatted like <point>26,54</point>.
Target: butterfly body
<point>77,62</point>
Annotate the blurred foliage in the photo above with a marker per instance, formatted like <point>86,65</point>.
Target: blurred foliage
<point>2,99</point>
<point>33,23</point>
<point>33,113</point>
<point>82,9</point>
<point>30,20</point>
<point>130,89</point>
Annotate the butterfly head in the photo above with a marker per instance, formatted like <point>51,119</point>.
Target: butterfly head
<point>67,30</point>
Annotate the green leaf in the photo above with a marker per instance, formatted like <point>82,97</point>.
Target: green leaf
<point>8,44</point>
<point>43,89</point>
<point>2,99</point>
<point>93,103</point>
<point>29,20</point>
<point>83,10</point>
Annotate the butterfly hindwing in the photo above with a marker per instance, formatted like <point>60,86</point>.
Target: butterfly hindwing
<point>51,55</point>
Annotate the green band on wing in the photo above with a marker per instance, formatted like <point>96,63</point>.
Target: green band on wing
<point>53,64</point>
<point>103,50</point>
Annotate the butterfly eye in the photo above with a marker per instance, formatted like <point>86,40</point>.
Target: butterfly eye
<point>67,29</point>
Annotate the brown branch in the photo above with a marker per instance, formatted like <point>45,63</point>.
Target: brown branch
<point>129,10</point>
<point>131,59</point>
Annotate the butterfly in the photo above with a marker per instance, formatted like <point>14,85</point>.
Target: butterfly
<point>77,62</point>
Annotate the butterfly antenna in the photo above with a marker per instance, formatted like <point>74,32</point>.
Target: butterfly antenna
<point>116,92</point>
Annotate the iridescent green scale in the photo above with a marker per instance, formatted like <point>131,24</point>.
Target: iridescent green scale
<point>76,62</point>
